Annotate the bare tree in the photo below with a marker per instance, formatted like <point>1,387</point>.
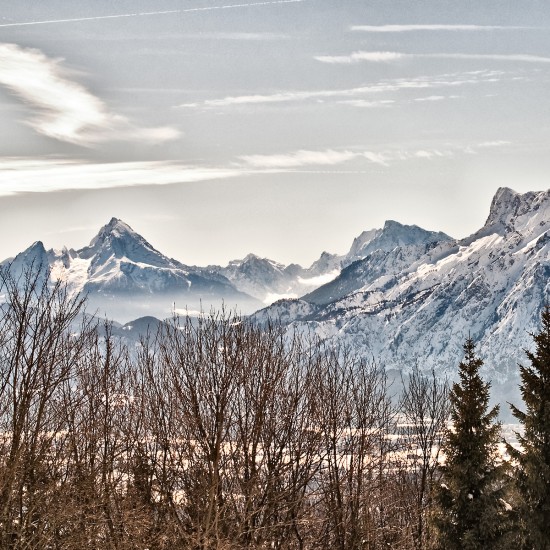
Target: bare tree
<point>100,422</point>
<point>424,411</point>
<point>214,433</point>
<point>357,423</point>
<point>38,354</point>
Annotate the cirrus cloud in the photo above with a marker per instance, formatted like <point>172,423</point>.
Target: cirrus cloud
<point>395,85</point>
<point>332,157</point>
<point>387,57</point>
<point>44,175</point>
<point>411,28</point>
<point>303,157</point>
<point>356,57</point>
<point>299,158</point>
<point>63,109</point>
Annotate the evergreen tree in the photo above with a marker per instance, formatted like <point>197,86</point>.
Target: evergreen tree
<point>533,472</point>
<point>469,506</point>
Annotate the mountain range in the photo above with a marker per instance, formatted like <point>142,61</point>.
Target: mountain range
<point>124,276</point>
<point>401,294</point>
<point>416,303</point>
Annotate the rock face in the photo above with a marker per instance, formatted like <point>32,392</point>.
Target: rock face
<point>392,236</point>
<point>420,300</point>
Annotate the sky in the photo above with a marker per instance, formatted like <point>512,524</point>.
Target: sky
<point>216,128</point>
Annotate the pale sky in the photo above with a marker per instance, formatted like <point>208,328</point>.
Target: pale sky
<point>216,128</point>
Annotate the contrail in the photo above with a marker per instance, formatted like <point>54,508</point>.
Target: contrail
<point>143,14</point>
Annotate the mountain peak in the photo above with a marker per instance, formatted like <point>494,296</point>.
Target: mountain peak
<point>118,240</point>
<point>36,252</point>
<point>509,209</point>
<point>251,257</point>
<point>248,259</point>
<point>362,241</point>
<point>115,227</point>
<point>34,257</point>
<point>393,234</point>
<point>36,246</point>
<point>503,204</point>
<point>505,193</point>
<point>392,224</point>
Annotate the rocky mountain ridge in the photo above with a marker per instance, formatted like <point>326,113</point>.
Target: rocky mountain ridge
<point>412,305</point>
<point>124,276</point>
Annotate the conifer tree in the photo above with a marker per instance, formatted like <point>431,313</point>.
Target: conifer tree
<point>468,501</point>
<point>533,472</point>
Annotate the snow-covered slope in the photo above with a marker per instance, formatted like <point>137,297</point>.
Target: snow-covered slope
<point>391,237</point>
<point>124,276</point>
<point>401,310</point>
<point>378,256</point>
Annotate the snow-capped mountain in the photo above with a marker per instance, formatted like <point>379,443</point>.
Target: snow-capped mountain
<point>124,276</point>
<point>261,277</point>
<point>419,302</point>
<point>270,281</point>
<point>391,237</point>
<point>400,295</point>
<point>35,257</point>
<point>378,256</point>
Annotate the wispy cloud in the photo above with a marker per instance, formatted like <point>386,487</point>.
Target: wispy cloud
<point>495,143</point>
<point>63,109</point>
<point>436,98</point>
<point>47,175</point>
<point>412,28</point>
<point>23,175</point>
<point>522,58</point>
<point>377,157</point>
<point>356,57</point>
<point>431,98</point>
<point>443,81</point>
<point>331,157</point>
<point>365,104</point>
<point>431,154</point>
<point>300,158</point>
<point>149,13</point>
<point>279,97</point>
<point>387,57</point>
